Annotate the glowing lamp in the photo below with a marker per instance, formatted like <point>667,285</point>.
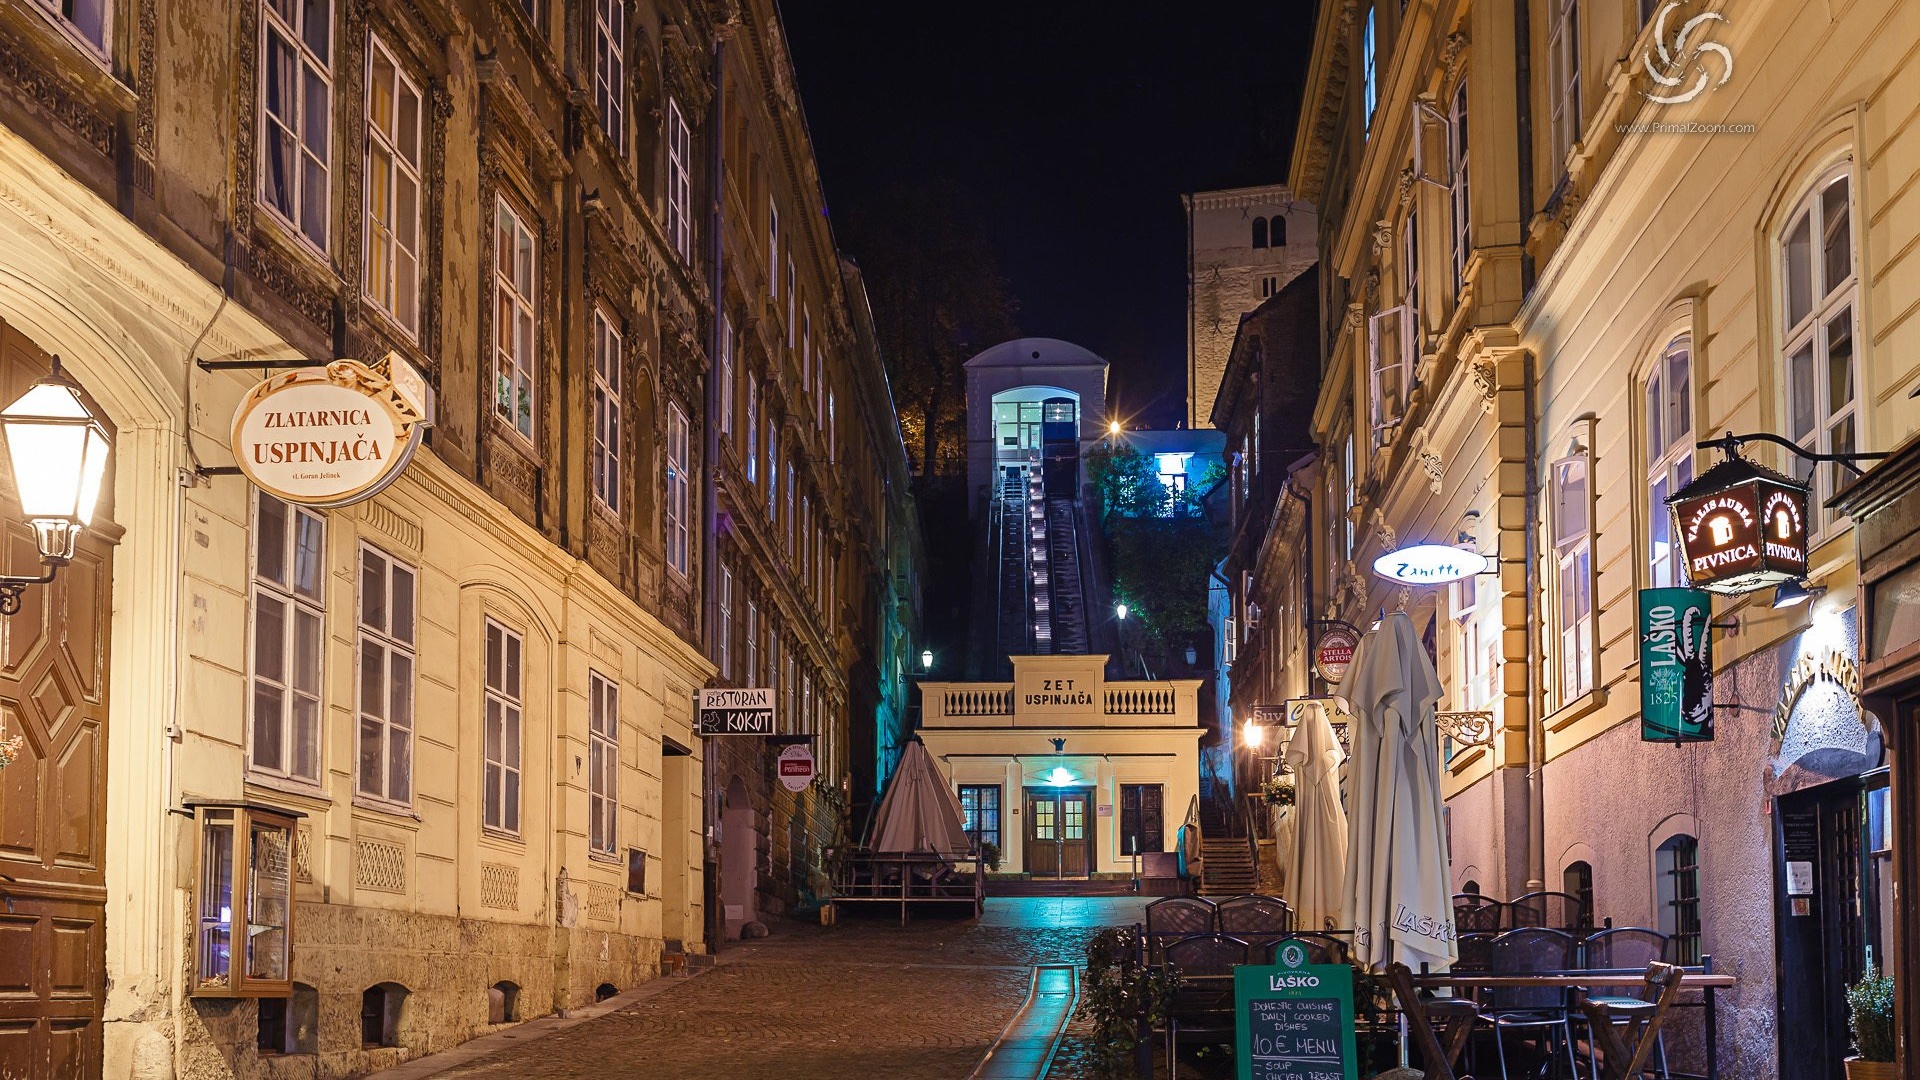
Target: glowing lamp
<point>1741,527</point>
<point>1060,777</point>
<point>59,454</point>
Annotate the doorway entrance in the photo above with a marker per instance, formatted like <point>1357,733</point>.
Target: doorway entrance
<point>1059,843</point>
<point>738,843</point>
<point>1832,862</point>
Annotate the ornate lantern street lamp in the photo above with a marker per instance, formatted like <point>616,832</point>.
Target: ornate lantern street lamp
<point>59,453</point>
<point>1741,527</point>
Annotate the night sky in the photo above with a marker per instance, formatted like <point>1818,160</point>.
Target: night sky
<point>1073,128</point>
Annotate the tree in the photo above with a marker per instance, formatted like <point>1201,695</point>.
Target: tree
<point>938,298</point>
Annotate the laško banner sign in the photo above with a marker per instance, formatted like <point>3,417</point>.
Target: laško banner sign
<point>331,436</point>
<point>1676,665</point>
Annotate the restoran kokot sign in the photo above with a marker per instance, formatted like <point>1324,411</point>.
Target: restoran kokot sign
<point>1741,528</point>
<point>331,436</point>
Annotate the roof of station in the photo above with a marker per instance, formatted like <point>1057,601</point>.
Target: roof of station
<point>1036,352</point>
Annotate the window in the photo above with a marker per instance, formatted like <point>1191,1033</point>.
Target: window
<point>392,261</point>
<point>607,395</point>
<point>1277,231</point>
<point>244,926</point>
<point>1573,554</point>
<point>513,319</point>
<point>1669,420</point>
<point>792,300</point>
<point>679,182</point>
<point>1577,881</point>
<point>1369,74</point>
<point>1259,232</point>
<point>1647,8</point>
<point>385,705</point>
<point>84,19</point>
<point>773,469</point>
<point>503,1003</point>
<point>723,641</point>
<point>500,801</point>
<point>790,514</point>
<point>289,636</point>
<point>1462,192</point>
<point>753,429</point>
<point>724,375</point>
<point>1391,376</point>
<point>678,505</point>
<point>603,761</point>
<point>296,108</point>
<point>290,1025</point>
<point>833,432</point>
<point>773,249</point>
<point>1141,822</point>
<point>1268,286</point>
<point>1677,882</point>
<point>610,73</point>
<point>806,347</point>
<point>752,674</point>
<point>1563,80</point>
<point>380,1008</point>
<point>1822,377</point>
<point>980,811</point>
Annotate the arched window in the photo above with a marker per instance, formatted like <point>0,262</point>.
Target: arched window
<point>1470,887</point>
<point>1259,232</point>
<point>290,1025</point>
<point>503,1003</point>
<point>1669,427</point>
<point>1819,286</point>
<point>605,991</point>
<point>1677,888</point>
<point>1577,881</point>
<point>380,1007</point>
<point>1277,231</point>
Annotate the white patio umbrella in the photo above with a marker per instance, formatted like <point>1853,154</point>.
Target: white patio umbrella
<point>919,812</point>
<point>1396,897</point>
<point>1316,867</point>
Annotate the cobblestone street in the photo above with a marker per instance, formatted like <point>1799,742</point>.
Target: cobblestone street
<point>866,998</point>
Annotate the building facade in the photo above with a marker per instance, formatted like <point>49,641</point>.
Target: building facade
<point>436,750</point>
<point>1546,275</point>
<point>1243,246</point>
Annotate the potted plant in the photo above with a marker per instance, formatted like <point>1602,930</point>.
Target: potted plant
<point>990,856</point>
<point>1870,1019</point>
<point>1279,790</point>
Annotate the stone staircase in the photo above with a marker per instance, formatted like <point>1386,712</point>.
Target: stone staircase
<point>1226,864</point>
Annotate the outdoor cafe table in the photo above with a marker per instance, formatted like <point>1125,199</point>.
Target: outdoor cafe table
<point>1624,1055</point>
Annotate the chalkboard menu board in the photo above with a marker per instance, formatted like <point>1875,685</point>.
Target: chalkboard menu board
<point>1294,1020</point>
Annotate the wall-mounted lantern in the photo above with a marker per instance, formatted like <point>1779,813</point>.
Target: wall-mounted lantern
<point>1741,527</point>
<point>59,452</point>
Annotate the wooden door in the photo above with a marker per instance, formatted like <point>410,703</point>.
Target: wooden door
<point>1059,838</point>
<point>53,693</point>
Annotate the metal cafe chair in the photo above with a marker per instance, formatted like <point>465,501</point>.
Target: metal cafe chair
<point>1476,951</point>
<point>1626,948</point>
<point>1202,1007</point>
<point>1253,918</point>
<point>1174,917</point>
<point>1552,910</point>
<point>1474,913</point>
<point>1530,950</point>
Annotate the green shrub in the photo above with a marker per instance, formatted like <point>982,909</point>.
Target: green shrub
<point>1123,997</point>
<point>1870,1015</point>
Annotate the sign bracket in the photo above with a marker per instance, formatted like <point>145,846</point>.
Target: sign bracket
<point>1730,443</point>
<point>261,365</point>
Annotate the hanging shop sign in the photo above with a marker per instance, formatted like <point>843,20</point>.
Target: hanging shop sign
<point>1430,564</point>
<point>1676,666</point>
<point>795,766</point>
<point>1294,1020</point>
<point>727,711</point>
<point>334,435</point>
<point>1741,527</point>
<point>1334,655</point>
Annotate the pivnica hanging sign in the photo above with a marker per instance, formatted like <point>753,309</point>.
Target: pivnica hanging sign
<point>331,436</point>
<point>1741,527</point>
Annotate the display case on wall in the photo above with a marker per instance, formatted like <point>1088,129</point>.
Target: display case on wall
<point>243,901</point>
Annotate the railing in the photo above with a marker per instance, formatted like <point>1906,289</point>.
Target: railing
<point>1151,700</point>
<point>979,701</point>
<point>868,876</point>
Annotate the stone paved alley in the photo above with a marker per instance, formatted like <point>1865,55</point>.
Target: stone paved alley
<point>865,999</point>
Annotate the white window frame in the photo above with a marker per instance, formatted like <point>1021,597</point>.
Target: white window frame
<point>102,47</point>
<point>609,385</point>
<point>1563,80</point>
<point>751,675</point>
<point>1390,383</point>
<point>1369,72</point>
<point>724,375</point>
<point>1667,419</point>
<point>1461,190</point>
<point>308,61</point>
<point>603,763</point>
<point>304,605</point>
<point>678,491</point>
<point>793,304</point>
<point>610,72</point>
<point>773,469</point>
<point>791,517</point>
<point>679,182</point>
<point>752,420</point>
<point>390,644</point>
<point>723,641</point>
<point>502,726</point>
<point>515,287</point>
<point>1575,579</point>
<point>391,263</point>
<point>1827,426</point>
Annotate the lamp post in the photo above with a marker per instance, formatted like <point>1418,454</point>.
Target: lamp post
<point>59,453</point>
<point>926,659</point>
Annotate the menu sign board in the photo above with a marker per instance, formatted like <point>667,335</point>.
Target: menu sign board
<point>1294,1020</point>
<point>1676,666</point>
<point>736,712</point>
<point>1741,528</point>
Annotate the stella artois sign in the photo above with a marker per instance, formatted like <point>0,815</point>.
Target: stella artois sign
<point>1741,527</point>
<point>331,436</point>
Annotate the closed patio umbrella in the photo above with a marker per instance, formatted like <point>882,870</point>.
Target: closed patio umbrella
<point>1316,864</point>
<point>1396,896</point>
<point>919,812</point>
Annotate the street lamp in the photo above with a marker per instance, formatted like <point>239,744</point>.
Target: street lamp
<point>59,452</point>
<point>1251,735</point>
<point>1120,612</point>
<point>926,659</point>
<point>1113,427</point>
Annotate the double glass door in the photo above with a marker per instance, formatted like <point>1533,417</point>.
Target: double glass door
<point>1059,843</point>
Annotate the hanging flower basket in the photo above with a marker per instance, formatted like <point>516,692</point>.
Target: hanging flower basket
<point>1279,790</point>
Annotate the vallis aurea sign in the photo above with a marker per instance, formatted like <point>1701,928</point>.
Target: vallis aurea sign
<point>331,436</point>
<point>1741,527</point>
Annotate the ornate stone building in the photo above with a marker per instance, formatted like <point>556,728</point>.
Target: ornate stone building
<point>454,723</point>
<point>1243,246</point>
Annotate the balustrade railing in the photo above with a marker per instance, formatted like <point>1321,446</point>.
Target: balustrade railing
<point>1145,700</point>
<point>978,701</point>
